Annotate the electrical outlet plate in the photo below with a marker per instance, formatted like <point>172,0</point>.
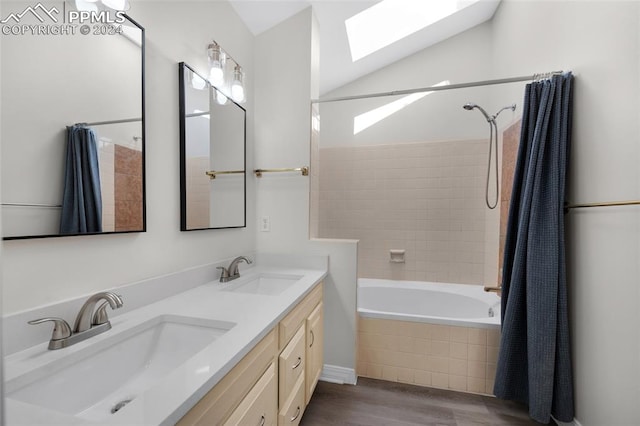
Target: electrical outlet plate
<point>265,224</point>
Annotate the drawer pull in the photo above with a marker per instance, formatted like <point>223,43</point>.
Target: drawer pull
<point>297,364</point>
<point>313,338</point>
<point>293,419</point>
<point>262,420</point>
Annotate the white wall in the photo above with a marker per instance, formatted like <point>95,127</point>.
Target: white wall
<point>436,117</point>
<point>599,41</point>
<point>285,84</point>
<point>38,272</point>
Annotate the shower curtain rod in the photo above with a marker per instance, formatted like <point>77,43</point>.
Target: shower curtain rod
<point>100,123</point>
<point>55,206</point>
<point>533,77</point>
<point>603,204</point>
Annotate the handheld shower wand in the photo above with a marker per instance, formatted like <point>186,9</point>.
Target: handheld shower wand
<point>492,125</point>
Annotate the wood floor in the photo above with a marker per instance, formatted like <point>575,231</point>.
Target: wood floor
<point>375,402</point>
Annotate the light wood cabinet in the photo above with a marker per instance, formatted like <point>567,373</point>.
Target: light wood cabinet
<point>274,382</point>
<point>258,408</point>
<point>293,408</point>
<point>217,405</point>
<point>291,364</point>
<point>314,351</point>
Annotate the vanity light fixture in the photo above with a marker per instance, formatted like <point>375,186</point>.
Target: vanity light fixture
<point>225,75</point>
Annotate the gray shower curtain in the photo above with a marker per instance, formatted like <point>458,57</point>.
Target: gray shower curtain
<point>82,197</point>
<point>534,364</point>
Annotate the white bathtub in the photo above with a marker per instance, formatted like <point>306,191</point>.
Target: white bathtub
<point>436,303</point>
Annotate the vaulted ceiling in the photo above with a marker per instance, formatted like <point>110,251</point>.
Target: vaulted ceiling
<point>336,65</point>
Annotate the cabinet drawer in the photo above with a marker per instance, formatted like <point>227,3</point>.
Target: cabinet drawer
<point>291,364</point>
<point>259,407</point>
<point>291,412</point>
<point>290,324</point>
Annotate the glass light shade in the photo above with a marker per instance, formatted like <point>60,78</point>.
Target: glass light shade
<point>237,87</point>
<point>217,60</point>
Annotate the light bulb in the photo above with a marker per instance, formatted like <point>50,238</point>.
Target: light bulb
<point>217,60</point>
<point>237,92</point>
<point>216,75</point>
<point>221,97</point>
<point>237,88</point>
<point>197,82</point>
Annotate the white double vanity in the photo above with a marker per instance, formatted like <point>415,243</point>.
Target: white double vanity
<point>184,349</point>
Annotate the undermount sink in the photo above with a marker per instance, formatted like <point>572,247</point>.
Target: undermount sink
<point>266,284</point>
<point>99,380</point>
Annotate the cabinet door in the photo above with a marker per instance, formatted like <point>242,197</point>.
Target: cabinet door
<point>259,407</point>
<point>315,338</point>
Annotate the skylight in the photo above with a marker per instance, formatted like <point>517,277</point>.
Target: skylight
<point>392,20</point>
<point>369,118</point>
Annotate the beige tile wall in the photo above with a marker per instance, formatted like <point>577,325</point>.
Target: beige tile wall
<point>107,186</point>
<point>426,198</point>
<point>198,192</point>
<point>448,357</point>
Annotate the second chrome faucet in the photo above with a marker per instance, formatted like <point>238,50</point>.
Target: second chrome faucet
<point>232,272</point>
<point>89,322</point>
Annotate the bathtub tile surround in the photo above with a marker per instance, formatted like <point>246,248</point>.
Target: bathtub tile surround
<point>440,356</point>
<point>426,198</point>
<point>510,143</point>
<point>428,334</point>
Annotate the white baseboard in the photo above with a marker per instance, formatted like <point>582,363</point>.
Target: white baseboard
<point>574,422</point>
<point>340,375</point>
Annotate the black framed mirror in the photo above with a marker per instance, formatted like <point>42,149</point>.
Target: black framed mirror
<point>73,138</point>
<point>212,155</point>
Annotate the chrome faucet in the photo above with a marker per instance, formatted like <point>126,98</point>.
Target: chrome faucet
<point>89,322</point>
<point>87,318</point>
<point>232,272</point>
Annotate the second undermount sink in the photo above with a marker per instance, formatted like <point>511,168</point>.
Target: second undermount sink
<point>266,284</point>
<point>101,379</point>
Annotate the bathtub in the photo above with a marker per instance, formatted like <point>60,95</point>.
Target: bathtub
<point>435,303</point>
<point>429,334</point>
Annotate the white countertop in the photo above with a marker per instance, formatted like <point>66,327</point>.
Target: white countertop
<point>177,392</point>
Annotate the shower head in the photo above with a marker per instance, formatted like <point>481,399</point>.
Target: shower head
<point>470,106</point>
<point>512,107</point>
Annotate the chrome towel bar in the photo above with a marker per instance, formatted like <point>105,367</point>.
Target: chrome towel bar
<point>303,170</point>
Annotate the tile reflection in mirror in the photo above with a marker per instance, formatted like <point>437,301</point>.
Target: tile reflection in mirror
<point>51,84</point>
<point>212,147</point>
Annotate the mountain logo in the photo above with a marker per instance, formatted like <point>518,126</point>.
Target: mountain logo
<point>39,11</point>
